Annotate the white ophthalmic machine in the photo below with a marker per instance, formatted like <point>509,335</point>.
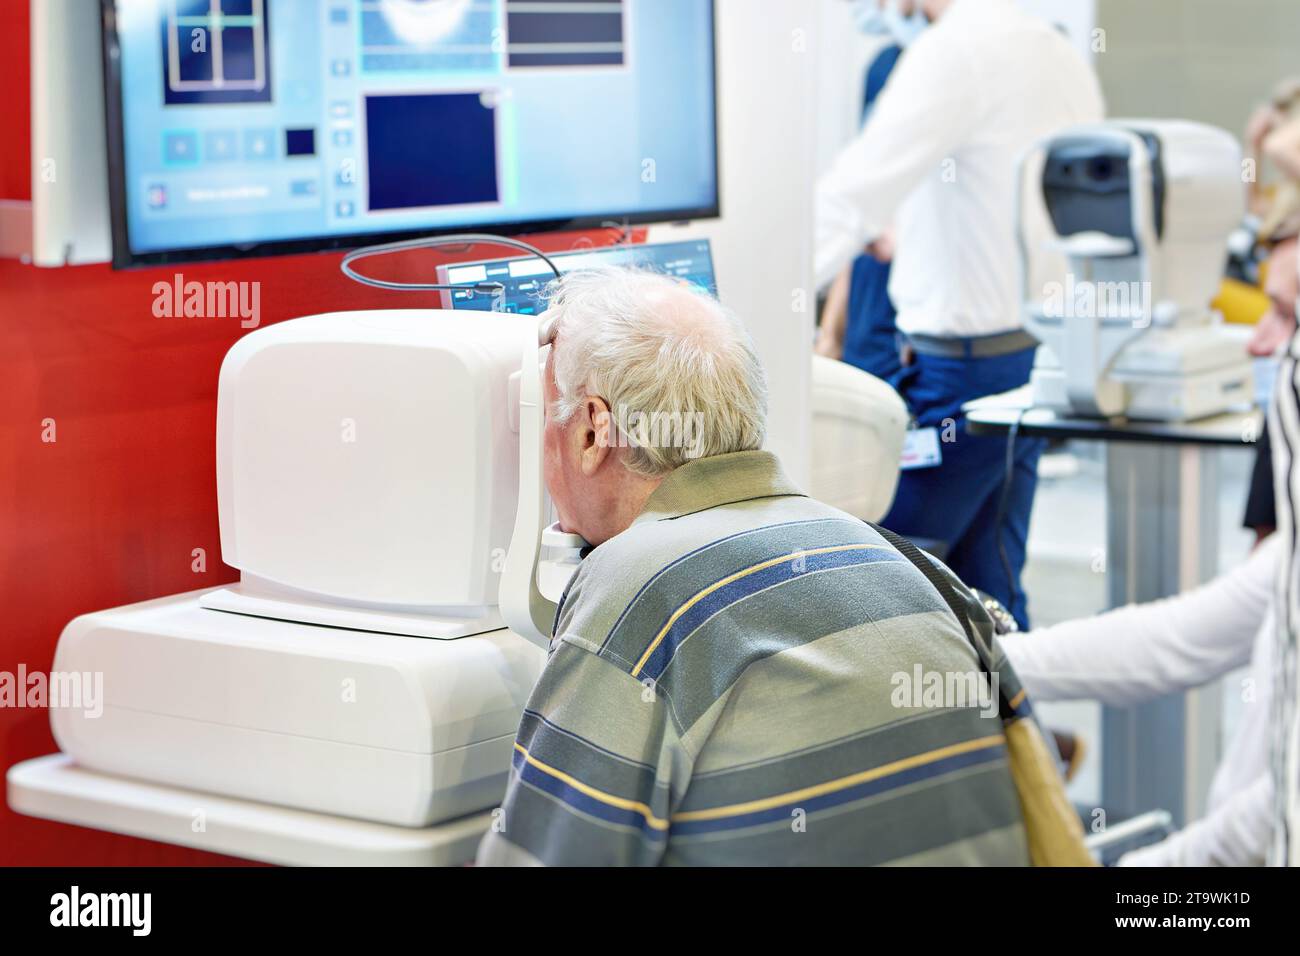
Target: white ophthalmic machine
<point>1141,212</point>
<point>355,697</point>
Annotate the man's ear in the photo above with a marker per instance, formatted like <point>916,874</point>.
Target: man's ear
<point>598,434</point>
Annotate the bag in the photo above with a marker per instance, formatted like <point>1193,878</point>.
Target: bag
<point>1053,829</point>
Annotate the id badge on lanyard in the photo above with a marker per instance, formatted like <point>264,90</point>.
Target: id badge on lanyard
<point>921,449</point>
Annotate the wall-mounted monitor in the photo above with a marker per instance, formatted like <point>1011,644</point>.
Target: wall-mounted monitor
<point>253,127</point>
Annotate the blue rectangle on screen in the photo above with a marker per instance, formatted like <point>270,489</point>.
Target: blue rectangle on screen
<point>430,149</point>
<point>300,142</point>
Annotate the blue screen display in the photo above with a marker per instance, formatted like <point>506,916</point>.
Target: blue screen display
<point>253,122</point>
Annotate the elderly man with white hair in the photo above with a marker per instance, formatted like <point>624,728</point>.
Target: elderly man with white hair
<point>738,674</point>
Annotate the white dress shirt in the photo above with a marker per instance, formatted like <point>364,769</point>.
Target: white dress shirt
<point>1140,652</point>
<point>938,159</point>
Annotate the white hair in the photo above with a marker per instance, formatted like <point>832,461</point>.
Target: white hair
<point>662,355</point>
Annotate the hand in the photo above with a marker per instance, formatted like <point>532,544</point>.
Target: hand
<point>1282,148</point>
<point>1072,749</point>
<point>1262,531</point>
<point>1261,123</point>
<point>1271,332</point>
<point>829,346</point>
<point>882,247</point>
<point>834,317</point>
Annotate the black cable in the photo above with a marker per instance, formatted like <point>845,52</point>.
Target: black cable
<point>464,240</point>
<point>1003,501</point>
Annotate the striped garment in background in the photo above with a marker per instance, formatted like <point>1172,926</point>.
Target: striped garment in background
<point>1284,427</point>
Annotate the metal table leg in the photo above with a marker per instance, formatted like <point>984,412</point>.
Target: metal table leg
<point>1162,538</point>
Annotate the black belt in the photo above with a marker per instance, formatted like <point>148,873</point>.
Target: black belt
<point>978,346</point>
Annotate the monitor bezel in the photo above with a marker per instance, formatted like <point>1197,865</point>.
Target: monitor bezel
<point>124,257</point>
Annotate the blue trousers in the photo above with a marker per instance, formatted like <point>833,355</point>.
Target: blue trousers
<point>965,501</point>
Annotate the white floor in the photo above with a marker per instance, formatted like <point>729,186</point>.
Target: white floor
<point>1066,533</point>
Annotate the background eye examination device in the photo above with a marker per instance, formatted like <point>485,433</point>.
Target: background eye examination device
<point>1140,211</point>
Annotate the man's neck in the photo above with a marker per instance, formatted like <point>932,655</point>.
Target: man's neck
<point>628,501</point>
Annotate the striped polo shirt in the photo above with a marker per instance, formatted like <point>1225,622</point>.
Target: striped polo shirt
<point>746,676</point>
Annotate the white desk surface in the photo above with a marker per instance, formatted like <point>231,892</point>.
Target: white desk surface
<point>55,788</point>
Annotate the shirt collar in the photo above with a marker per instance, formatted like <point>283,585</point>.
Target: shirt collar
<point>717,480</point>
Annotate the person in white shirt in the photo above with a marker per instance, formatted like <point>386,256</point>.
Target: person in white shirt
<point>1140,652</point>
<point>937,159</point>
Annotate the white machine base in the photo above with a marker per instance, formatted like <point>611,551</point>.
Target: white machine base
<point>1175,398</point>
<point>55,788</point>
<point>397,730</point>
<point>1177,374</point>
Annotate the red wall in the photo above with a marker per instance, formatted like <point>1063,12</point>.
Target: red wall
<point>15,121</point>
<point>110,512</point>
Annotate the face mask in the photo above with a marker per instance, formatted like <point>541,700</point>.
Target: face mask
<point>869,18</point>
<point>904,29</point>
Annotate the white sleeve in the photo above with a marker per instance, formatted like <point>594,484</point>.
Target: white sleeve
<point>1237,833</point>
<point>925,111</point>
<point>1142,651</point>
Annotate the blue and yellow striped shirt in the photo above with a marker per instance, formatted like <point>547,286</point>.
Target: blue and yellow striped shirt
<point>747,676</point>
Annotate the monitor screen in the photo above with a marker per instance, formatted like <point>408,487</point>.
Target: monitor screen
<point>525,279</point>
<point>249,127</point>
